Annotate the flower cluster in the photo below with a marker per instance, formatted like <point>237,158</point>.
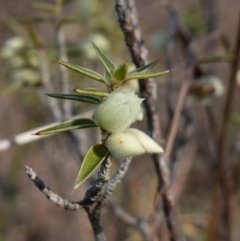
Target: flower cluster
<point>115,115</point>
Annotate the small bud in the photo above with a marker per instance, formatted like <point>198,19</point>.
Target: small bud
<point>205,88</point>
<point>118,111</point>
<point>131,142</point>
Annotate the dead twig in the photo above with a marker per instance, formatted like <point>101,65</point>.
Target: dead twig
<point>221,220</point>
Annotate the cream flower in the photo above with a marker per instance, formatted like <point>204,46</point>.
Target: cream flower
<point>131,142</point>
<point>118,111</point>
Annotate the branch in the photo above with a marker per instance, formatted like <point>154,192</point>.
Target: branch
<point>47,86</point>
<point>93,202</point>
<point>28,136</point>
<point>54,197</point>
<point>62,54</point>
<point>222,198</point>
<point>117,177</point>
<point>127,16</point>
<point>142,225</point>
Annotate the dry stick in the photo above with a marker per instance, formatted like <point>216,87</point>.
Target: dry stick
<point>221,223</point>
<point>140,224</point>
<point>128,20</point>
<point>91,203</point>
<point>47,86</point>
<point>62,54</point>
<point>29,137</point>
<point>54,197</point>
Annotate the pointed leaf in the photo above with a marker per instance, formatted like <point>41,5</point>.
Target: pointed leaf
<point>107,77</point>
<point>82,98</point>
<point>90,73</point>
<point>63,21</point>
<point>145,68</point>
<point>235,119</point>
<point>66,1</point>
<point>29,20</point>
<point>107,63</point>
<point>93,159</point>
<point>68,126</point>
<point>46,7</point>
<point>35,38</point>
<point>121,72</point>
<point>91,93</point>
<point>92,89</point>
<point>216,59</point>
<point>146,75</point>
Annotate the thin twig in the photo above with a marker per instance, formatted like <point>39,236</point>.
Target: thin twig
<point>47,86</point>
<point>117,177</point>
<point>127,16</point>
<point>54,197</point>
<point>62,54</point>
<point>92,202</point>
<point>29,137</point>
<point>142,225</point>
<point>221,222</point>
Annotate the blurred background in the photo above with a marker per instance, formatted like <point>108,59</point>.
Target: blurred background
<point>32,35</point>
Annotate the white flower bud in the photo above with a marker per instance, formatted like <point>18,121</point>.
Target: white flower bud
<point>118,111</point>
<point>131,142</point>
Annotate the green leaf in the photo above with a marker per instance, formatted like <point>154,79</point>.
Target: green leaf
<point>91,92</point>
<point>68,126</point>
<point>93,159</point>
<point>121,72</point>
<point>29,20</point>
<point>35,38</point>
<point>63,21</point>
<point>144,68</point>
<point>82,98</point>
<point>90,73</point>
<point>107,63</point>
<point>216,59</point>
<point>146,75</point>
<point>235,119</point>
<point>107,77</point>
<point>46,7</point>
<point>66,1</point>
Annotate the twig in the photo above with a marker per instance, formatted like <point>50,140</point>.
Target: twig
<point>142,225</point>
<point>62,54</point>
<point>54,197</point>
<point>222,198</point>
<point>92,202</point>
<point>47,87</point>
<point>28,136</point>
<point>127,16</point>
<point>117,177</point>
<point>177,116</point>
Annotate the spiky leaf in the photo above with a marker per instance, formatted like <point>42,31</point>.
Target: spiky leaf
<point>93,159</point>
<point>68,126</point>
<point>216,59</point>
<point>107,77</point>
<point>87,72</point>
<point>146,75</point>
<point>107,63</point>
<point>145,68</point>
<point>121,72</point>
<point>91,93</point>
<point>235,119</point>
<point>81,98</point>
<point>46,7</point>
